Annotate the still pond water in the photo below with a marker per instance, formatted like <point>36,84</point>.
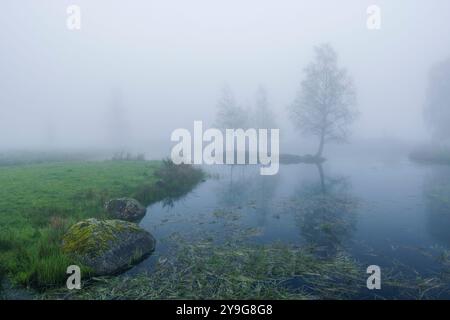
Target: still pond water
<point>394,214</point>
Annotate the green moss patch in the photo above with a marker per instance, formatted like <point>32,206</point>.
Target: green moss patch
<point>93,237</point>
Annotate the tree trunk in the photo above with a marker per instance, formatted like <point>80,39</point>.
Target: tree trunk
<point>321,144</point>
<point>321,176</point>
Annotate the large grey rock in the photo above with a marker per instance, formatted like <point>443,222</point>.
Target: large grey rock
<point>107,246</point>
<point>127,209</point>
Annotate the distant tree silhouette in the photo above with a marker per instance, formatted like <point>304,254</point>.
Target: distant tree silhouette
<point>264,118</point>
<point>437,105</point>
<point>324,105</point>
<point>229,114</point>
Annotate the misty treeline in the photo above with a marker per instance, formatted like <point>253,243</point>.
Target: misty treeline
<point>437,105</point>
<point>437,117</point>
<point>232,115</point>
<point>324,106</point>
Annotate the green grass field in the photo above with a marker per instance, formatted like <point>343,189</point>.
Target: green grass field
<point>38,202</point>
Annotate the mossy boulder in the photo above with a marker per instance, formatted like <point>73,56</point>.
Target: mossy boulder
<point>127,209</point>
<point>107,246</point>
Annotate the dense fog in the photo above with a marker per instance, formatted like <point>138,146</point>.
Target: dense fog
<point>136,71</point>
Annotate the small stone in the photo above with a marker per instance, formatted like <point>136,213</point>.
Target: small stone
<point>127,209</point>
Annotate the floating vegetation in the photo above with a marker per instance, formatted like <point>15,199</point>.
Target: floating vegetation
<point>436,191</point>
<point>325,213</point>
<point>232,271</point>
<point>227,214</point>
<point>325,220</point>
<point>404,282</point>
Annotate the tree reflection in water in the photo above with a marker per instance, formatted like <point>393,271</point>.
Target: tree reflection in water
<point>325,213</point>
<point>244,188</point>
<point>437,204</point>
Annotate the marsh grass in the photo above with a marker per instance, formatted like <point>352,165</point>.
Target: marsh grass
<point>235,270</point>
<point>39,202</point>
<point>172,182</point>
<point>231,271</point>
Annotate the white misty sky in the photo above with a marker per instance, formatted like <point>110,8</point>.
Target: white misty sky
<point>170,58</point>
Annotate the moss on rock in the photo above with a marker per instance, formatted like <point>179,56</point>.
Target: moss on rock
<point>107,246</point>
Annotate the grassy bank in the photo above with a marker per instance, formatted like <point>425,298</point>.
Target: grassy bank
<point>39,202</point>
